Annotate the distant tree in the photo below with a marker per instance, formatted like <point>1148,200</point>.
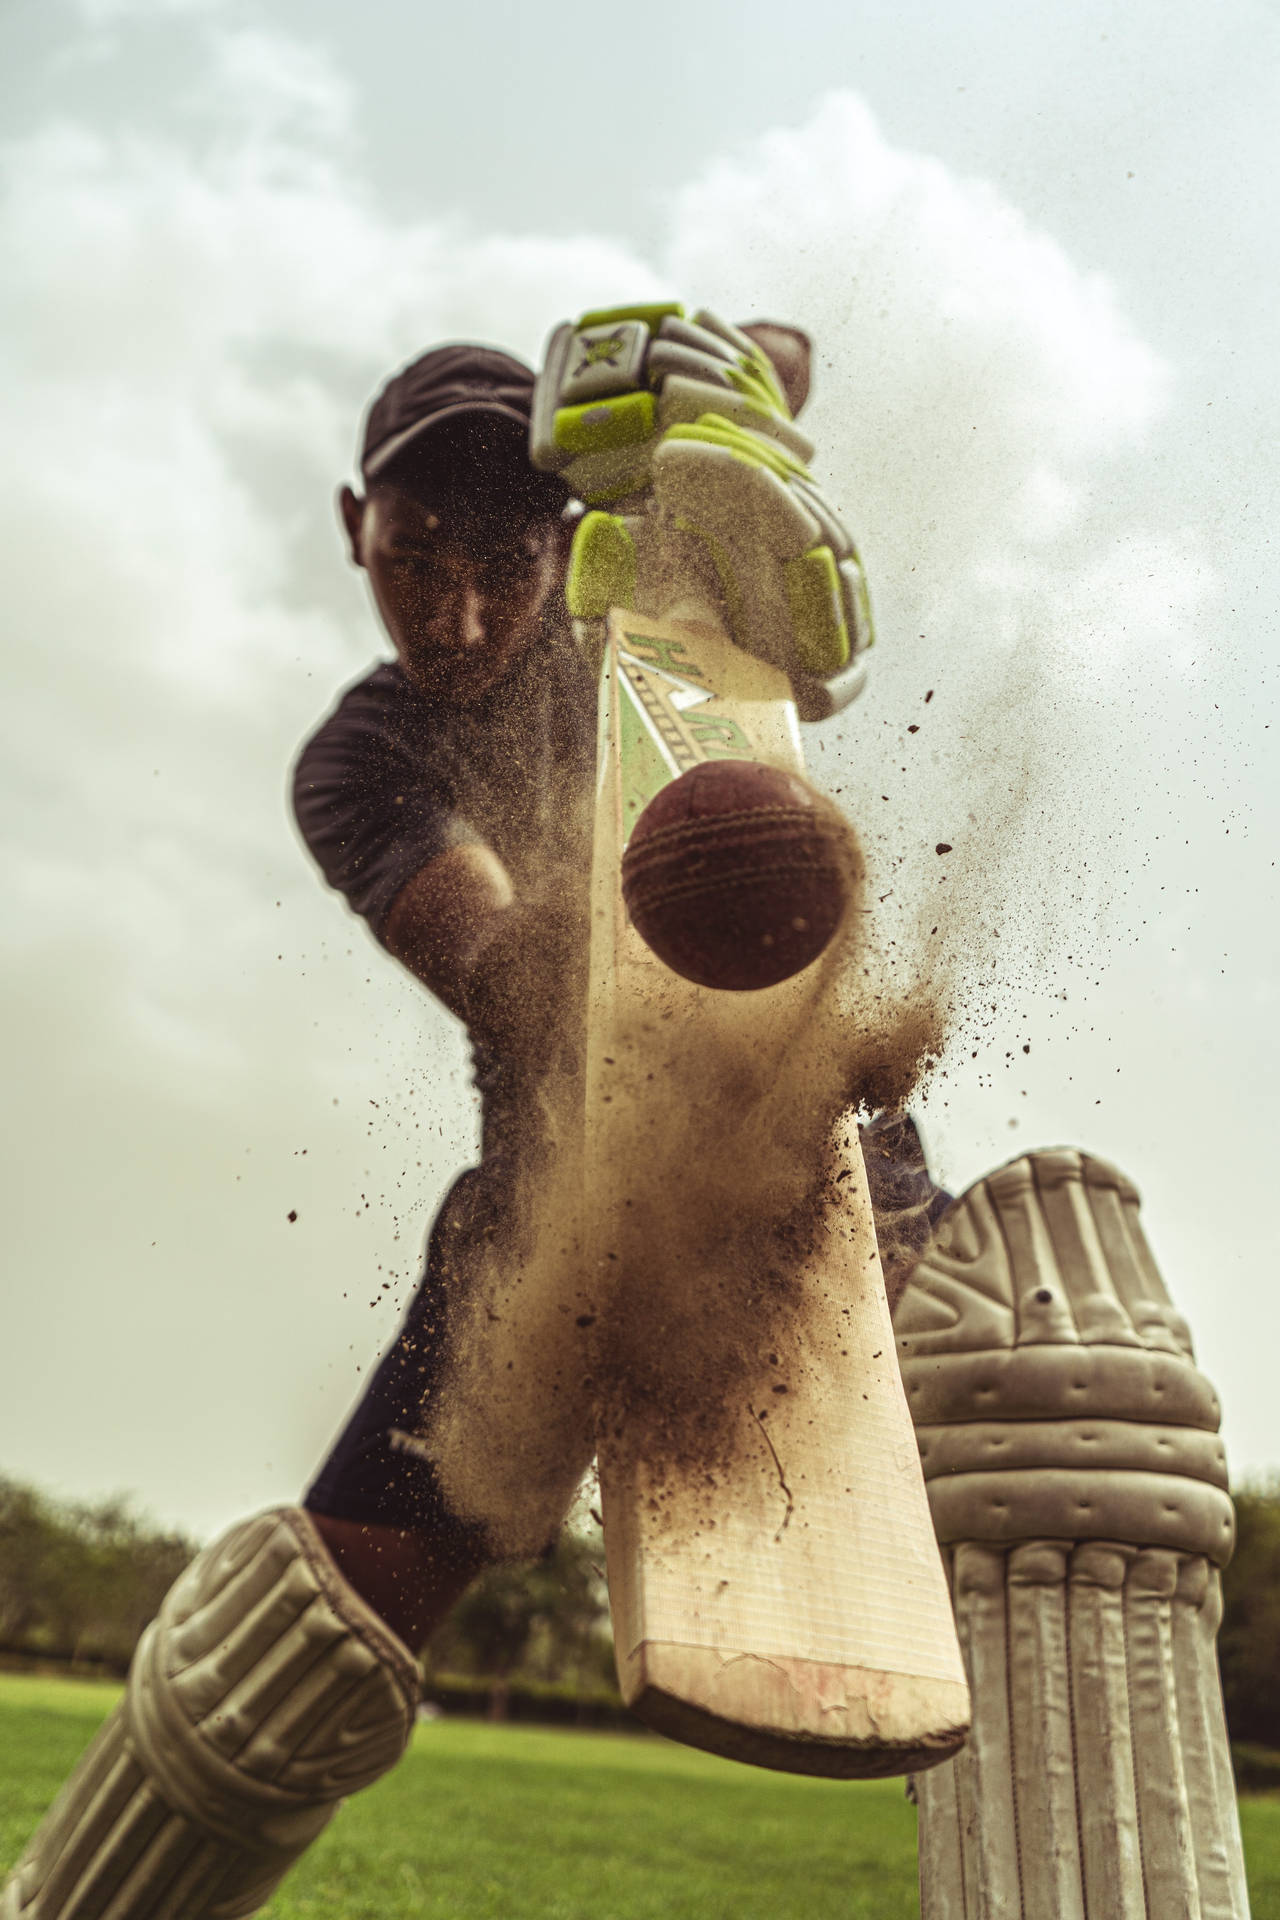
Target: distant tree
<point>125,1567</point>
<point>26,1530</point>
<point>1249,1640</point>
<point>81,1579</point>
<point>546,1620</point>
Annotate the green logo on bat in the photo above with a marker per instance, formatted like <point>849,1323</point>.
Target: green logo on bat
<point>664,656</point>
<point>724,737</point>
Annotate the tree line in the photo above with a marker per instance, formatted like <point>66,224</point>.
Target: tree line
<point>80,1580</point>
<point>1249,1638</point>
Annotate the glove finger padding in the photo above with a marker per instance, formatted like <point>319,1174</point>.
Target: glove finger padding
<point>790,579</point>
<point>788,572</point>
<point>685,423</point>
<point>615,381</point>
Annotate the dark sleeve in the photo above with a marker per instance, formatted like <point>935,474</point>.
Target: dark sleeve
<point>905,1200</point>
<point>369,805</point>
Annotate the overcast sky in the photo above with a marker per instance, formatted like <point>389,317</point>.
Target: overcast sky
<point>1036,247</point>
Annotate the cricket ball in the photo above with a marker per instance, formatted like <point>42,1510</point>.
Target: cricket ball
<point>737,874</point>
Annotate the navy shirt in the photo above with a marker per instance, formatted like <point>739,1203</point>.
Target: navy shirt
<point>392,779</point>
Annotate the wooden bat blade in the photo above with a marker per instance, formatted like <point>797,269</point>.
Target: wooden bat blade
<point>776,1589</point>
<point>797,1615</point>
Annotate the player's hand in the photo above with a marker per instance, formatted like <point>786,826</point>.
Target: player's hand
<point>685,422</point>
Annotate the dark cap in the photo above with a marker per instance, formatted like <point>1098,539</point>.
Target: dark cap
<point>447,384</point>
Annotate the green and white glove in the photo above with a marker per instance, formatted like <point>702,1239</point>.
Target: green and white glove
<point>681,424</point>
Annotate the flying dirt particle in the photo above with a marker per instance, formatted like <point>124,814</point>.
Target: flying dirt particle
<point>292,1214</point>
<point>943,846</point>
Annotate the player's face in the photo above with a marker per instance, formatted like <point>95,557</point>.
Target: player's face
<point>459,604</point>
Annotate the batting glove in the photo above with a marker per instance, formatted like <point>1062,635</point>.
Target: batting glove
<point>642,409</point>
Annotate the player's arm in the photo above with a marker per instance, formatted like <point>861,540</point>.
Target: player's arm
<point>432,890</point>
<point>442,920</point>
<point>486,953</point>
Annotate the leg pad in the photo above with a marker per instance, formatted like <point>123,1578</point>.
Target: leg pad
<point>264,1692</point>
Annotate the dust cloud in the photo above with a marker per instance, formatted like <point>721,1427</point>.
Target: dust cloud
<point>721,1126</point>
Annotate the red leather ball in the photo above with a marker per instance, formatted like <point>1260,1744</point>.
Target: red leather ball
<point>737,875</point>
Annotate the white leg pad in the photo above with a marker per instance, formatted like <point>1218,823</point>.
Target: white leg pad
<point>264,1692</point>
<point>1079,1491</point>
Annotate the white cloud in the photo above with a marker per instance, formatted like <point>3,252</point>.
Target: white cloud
<point>267,85</point>
<point>980,404</point>
<point>108,13</point>
<point>972,381</point>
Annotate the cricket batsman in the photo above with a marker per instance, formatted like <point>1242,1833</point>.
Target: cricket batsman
<point>447,797</point>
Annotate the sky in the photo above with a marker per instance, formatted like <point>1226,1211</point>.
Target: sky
<point>1036,249</point>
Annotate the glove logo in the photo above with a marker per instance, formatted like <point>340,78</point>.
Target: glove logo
<point>606,350</point>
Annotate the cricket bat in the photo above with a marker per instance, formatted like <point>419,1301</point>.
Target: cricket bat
<point>776,1590</point>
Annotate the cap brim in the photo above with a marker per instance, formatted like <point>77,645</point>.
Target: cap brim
<point>376,463</point>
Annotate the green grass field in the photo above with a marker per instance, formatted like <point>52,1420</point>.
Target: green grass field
<point>491,1823</point>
